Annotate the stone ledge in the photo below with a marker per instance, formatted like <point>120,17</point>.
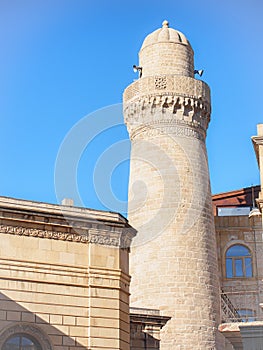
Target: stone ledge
<point>58,210</point>
<point>42,220</point>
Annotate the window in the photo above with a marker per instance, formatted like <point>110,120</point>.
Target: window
<point>233,211</point>
<point>238,262</point>
<point>246,315</point>
<point>21,342</point>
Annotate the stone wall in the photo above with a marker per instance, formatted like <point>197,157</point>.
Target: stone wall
<point>146,325</point>
<point>244,293</point>
<point>59,286</point>
<point>173,258</point>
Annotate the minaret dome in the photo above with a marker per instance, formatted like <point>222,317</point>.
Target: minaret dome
<point>166,51</point>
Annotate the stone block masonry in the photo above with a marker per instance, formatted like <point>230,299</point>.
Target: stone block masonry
<point>67,288</point>
<point>173,257</point>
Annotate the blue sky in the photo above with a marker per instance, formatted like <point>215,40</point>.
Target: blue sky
<point>62,60</point>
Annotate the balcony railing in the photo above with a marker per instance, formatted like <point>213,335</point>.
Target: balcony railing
<point>228,310</point>
<point>240,306</point>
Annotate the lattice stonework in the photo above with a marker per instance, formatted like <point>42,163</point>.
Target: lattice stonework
<point>160,83</point>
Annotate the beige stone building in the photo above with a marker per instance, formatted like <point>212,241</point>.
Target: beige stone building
<point>240,252</point>
<point>64,277</point>
<point>196,267</point>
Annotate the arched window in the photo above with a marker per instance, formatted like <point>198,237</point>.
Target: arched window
<point>238,262</point>
<point>21,342</point>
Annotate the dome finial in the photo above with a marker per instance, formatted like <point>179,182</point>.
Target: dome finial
<point>165,24</point>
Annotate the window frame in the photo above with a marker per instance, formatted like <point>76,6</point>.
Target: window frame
<point>29,330</point>
<point>232,261</point>
<point>37,344</point>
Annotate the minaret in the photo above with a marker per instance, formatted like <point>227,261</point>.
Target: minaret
<point>173,258</point>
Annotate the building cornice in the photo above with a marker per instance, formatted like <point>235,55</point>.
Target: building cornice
<point>48,221</point>
<point>57,210</point>
<point>257,141</point>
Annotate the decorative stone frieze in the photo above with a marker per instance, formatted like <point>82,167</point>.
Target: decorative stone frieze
<point>173,84</point>
<point>25,218</point>
<point>172,114</point>
<point>122,239</point>
<point>174,129</point>
<point>159,101</point>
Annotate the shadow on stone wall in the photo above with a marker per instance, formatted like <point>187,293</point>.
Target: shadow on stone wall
<point>146,325</point>
<point>140,340</point>
<point>53,332</point>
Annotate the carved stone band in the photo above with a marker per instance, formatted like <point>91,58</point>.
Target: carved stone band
<point>167,109</point>
<point>175,84</point>
<point>116,239</point>
<point>171,130</point>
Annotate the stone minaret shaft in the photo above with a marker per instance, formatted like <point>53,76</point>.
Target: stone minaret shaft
<point>173,258</point>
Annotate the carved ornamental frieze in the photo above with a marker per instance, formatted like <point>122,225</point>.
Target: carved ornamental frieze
<point>117,238</point>
<point>169,114</point>
<point>175,84</point>
<point>171,104</point>
<point>173,129</point>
